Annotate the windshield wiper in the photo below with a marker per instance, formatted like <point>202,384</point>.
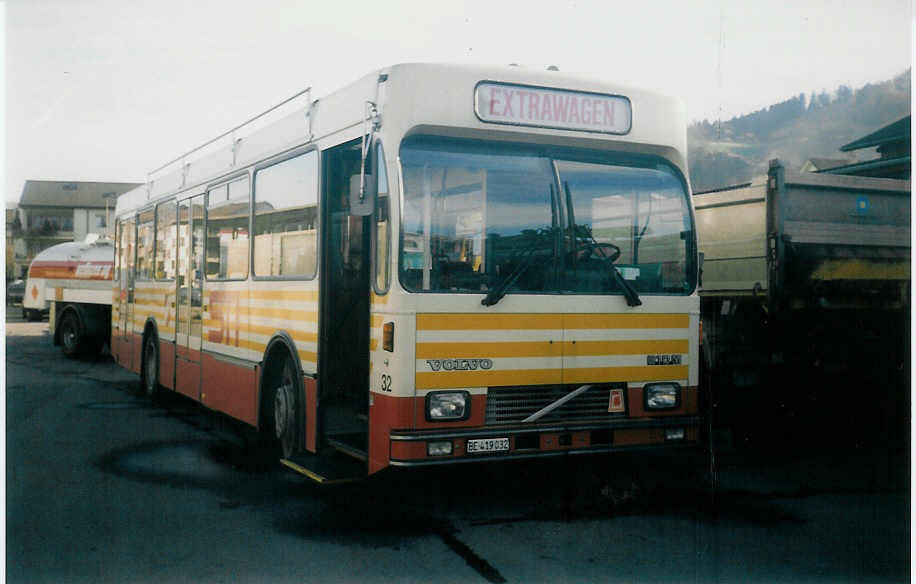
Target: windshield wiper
<point>497,292</point>
<point>597,249</point>
<point>629,292</point>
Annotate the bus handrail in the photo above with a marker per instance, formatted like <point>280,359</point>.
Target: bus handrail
<point>227,132</point>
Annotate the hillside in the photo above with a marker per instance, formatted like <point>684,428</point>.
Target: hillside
<point>806,126</point>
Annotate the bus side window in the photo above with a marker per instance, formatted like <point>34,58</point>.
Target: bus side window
<point>227,231</point>
<point>125,254</point>
<point>145,244</point>
<point>286,218</point>
<point>165,241</point>
<point>119,226</point>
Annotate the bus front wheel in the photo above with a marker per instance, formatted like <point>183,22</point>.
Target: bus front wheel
<point>281,415</point>
<point>150,373</point>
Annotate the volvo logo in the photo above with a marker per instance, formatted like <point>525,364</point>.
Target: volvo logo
<point>459,364</point>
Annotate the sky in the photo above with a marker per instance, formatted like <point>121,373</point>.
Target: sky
<point>108,90</point>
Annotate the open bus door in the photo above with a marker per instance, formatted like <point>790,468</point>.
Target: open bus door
<point>343,352</point>
<point>123,333</point>
<point>190,294</point>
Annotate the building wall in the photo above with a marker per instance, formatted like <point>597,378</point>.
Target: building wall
<point>73,225</point>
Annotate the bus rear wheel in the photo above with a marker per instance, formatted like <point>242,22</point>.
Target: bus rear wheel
<point>71,335</point>
<point>150,372</point>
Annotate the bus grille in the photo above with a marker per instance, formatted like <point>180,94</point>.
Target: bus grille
<point>506,405</point>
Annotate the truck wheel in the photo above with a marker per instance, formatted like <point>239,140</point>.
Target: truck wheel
<point>150,372</point>
<point>71,335</point>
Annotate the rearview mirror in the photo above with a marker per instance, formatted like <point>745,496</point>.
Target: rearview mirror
<point>362,196</point>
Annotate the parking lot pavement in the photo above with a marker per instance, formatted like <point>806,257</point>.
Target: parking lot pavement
<point>106,486</point>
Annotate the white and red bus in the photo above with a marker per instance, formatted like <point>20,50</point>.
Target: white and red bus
<point>435,264</point>
<point>71,282</point>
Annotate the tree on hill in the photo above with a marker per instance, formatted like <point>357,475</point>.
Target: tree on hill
<point>731,152</point>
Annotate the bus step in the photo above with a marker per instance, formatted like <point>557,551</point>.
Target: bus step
<point>349,444</point>
<point>327,470</point>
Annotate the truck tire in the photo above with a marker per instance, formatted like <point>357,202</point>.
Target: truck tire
<point>71,334</point>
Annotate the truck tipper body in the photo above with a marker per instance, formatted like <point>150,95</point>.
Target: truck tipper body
<point>805,297</point>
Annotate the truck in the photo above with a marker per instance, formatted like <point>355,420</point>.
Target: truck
<point>805,305</point>
<point>71,283</point>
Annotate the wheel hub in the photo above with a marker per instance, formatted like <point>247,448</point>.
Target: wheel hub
<point>283,410</point>
<point>69,336</point>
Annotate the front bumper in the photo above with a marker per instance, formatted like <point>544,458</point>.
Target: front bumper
<point>409,448</point>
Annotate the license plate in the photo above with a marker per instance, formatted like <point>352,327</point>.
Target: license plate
<point>488,445</point>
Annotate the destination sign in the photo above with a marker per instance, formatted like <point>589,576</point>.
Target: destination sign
<point>522,105</point>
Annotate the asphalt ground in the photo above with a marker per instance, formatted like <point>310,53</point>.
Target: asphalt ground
<point>103,485</point>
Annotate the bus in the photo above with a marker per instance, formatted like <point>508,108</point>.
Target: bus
<point>436,264</point>
<point>71,283</point>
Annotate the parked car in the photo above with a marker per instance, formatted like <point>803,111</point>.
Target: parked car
<point>15,291</point>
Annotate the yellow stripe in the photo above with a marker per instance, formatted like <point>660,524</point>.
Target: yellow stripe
<point>285,313</point>
<point>488,350</point>
<point>295,295</point>
<point>258,347</point>
<point>625,321</point>
<point>848,269</point>
<point>376,299</point>
<point>450,379</point>
<point>377,320</point>
<point>545,349</point>
<point>463,322</point>
<point>317,477</point>
<point>595,348</point>
<point>373,344</point>
<point>455,322</point>
<point>297,335</point>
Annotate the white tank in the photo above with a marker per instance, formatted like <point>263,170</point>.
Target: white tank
<point>71,266</point>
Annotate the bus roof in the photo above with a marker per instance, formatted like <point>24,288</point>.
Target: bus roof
<point>443,99</point>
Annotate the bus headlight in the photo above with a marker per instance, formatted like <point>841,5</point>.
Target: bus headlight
<point>662,396</point>
<point>448,406</point>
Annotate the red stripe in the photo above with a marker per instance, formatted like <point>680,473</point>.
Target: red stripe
<point>69,270</point>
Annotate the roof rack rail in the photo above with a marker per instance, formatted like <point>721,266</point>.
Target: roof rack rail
<point>184,156</point>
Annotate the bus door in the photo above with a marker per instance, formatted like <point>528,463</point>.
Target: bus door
<point>190,293</point>
<point>343,351</point>
<point>124,331</point>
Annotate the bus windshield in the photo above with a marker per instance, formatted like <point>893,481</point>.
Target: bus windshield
<point>484,217</point>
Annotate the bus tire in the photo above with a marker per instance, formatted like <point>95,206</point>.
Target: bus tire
<point>149,371</point>
<point>71,334</point>
<point>281,410</point>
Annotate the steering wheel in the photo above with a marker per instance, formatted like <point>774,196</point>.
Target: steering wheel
<point>589,247</point>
